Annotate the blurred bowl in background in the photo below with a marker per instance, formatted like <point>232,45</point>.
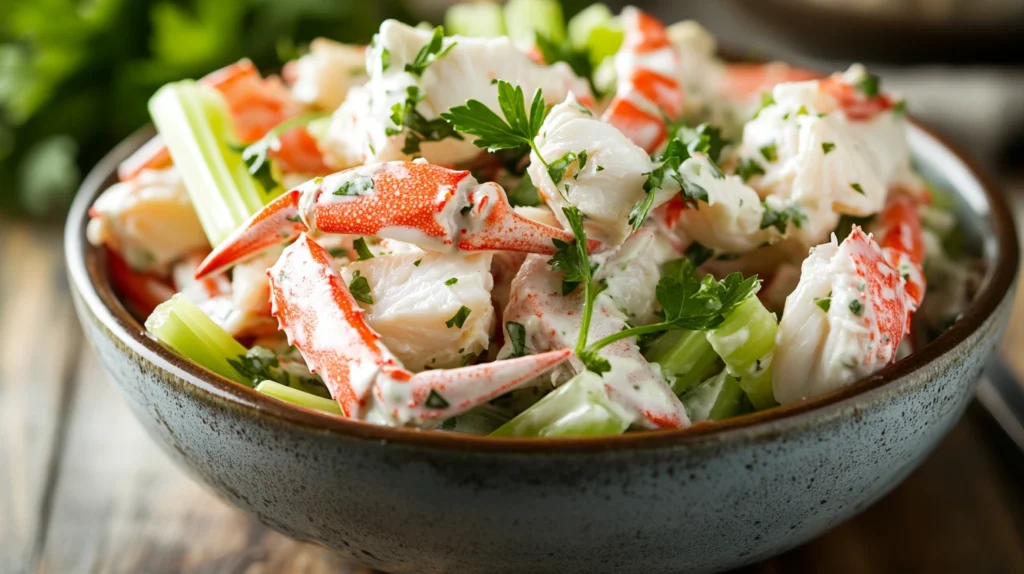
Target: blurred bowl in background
<point>900,31</point>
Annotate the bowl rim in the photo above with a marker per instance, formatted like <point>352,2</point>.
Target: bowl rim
<point>101,301</point>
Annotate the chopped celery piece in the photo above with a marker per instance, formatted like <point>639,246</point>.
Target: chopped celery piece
<point>580,407</point>
<point>686,355</point>
<point>596,31</point>
<point>195,124</point>
<point>717,398</point>
<point>524,19</point>
<point>482,420</point>
<point>745,340</point>
<point>183,327</point>
<point>297,397</point>
<point>479,19</point>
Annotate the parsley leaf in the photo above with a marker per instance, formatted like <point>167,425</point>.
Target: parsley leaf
<point>572,258</point>
<point>358,185</point>
<point>706,139</point>
<point>856,307</point>
<point>558,168</point>
<point>258,364</point>
<point>516,336</point>
<point>674,155</point>
<point>767,99</point>
<point>451,281</point>
<point>824,303</point>
<point>748,168</point>
<point>493,133</point>
<point>826,147</point>
<point>360,288</point>
<point>256,154</point>
<point>770,152</point>
<point>430,52</point>
<point>459,319</point>
<point>362,250</point>
<point>869,85</point>
<point>524,193</point>
<point>419,129</point>
<point>857,187</point>
<point>698,254</point>
<point>594,362</point>
<point>781,218</point>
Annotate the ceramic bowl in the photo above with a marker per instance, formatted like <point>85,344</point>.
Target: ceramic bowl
<point>701,499</point>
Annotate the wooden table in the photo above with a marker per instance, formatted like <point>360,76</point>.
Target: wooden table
<point>83,489</point>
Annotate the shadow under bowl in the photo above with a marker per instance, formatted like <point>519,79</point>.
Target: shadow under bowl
<point>700,499</point>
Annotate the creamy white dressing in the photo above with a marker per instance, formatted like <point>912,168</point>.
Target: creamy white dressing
<point>360,132</point>
<point>609,184</point>
<point>149,221</point>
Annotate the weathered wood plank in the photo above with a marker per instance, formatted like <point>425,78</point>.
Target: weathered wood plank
<point>39,338</point>
<point>120,505</point>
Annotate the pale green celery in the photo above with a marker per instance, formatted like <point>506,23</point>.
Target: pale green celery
<point>524,19</point>
<point>580,407</point>
<point>482,420</point>
<point>297,397</point>
<point>595,31</point>
<point>195,124</point>
<point>745,340</point>
<point>479,19</point>
<point>686,355</point>
<point>183,327</point>
<point>717,398</point>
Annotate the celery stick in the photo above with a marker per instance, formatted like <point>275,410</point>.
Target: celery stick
<point>482,20</point>
<point>194,122</point>
<point>580,407</point>
<point>183,327</point>
<point>745,341</point>
<point>717,398</point>
<point>297,397</point>
<point>596,31</point>
<point>524,19</point>
<point>686,355</point>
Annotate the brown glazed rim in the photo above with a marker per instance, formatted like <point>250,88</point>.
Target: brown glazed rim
<point>87,272</point>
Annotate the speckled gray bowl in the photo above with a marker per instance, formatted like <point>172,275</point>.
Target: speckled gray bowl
<point>701,499</point>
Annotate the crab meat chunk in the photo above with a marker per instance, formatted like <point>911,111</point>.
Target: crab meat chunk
<point>148,220</point>
<point>844,320</point>
<point>415,293</point>
<point>363,129</point>
<point>610,182</point>
<point>552,321</point>
<point>323,77</point>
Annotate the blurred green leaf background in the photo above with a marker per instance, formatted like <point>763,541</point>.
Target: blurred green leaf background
<point>75,74</point>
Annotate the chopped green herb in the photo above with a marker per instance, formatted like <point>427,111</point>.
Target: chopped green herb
<point>419,129</point>
<point>385,59</point>
<point>359,287</point>
<point>435,400</point>
<point>362,250</point>
<point>524,193</point>
<point>824,303</point>
<point>869,85</point>
<point>459,319</point>
<point>748,168</point>
<point>770,152</point>
<point>430,52</point>
<point>826,147</point>
<point>516,336</point>
<point>766,100</point>
<point>802,111</point>
<point>451,281</point>
<point>599,168</point>
<point>465,210</point>
<point>558,168</point>
<point>781,218</point>
<point>856,307</point>
<point>856,187</point>
<point>417,263</point>
<point>494,133</point>
<point>698,254</point>
<point>900,107</point>
<point>358,185</point>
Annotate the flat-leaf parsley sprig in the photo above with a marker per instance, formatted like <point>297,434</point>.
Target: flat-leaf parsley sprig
<point>518,128</point>
<point>686,303</point>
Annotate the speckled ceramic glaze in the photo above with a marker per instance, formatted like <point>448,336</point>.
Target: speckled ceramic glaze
<point>700,499</point>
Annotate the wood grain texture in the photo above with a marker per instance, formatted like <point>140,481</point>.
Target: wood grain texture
<point>39,338</point>
<point>120,505</point>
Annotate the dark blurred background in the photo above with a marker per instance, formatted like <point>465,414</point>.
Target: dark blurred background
<point>75,74</point>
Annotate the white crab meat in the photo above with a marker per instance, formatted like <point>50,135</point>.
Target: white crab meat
<point>821,347</point>
<point>362,130</point>
<point>149,221</point>
<point>241,304</point>
<point>324,76</point>
<point>416,292</point>
<point>699,71</point>
<point>552,321</point>
<point>813,154</point>
<point>611,181</point>
<point>730,220</point>
<point>628,276</point>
